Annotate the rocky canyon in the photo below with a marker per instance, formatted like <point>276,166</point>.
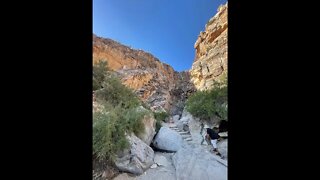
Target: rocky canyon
<point>156,83</point>
<point>181,154</point>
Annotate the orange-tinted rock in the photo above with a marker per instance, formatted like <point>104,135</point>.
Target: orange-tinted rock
<point>153,81</point>
<point>211,59</point>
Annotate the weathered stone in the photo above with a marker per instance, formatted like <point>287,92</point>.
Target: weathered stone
<point>160,172</point>
<point>137,158</point>
<point>149,129</point>
<point>167,139</point>
<point>196,163</point>
<point>154,166</point>
<point>161,160</point>
<point>156,83</point>
<point>211,59</point>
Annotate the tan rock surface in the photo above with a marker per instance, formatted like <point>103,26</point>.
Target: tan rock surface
<point>156,83</point>
<point>211,61</point>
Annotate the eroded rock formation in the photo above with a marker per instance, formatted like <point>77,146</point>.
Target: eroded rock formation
<point>210,63</point>
<point>156,83</point>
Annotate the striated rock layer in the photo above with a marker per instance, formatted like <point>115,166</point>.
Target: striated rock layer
<point>210,63</point>
<point>156,83</point>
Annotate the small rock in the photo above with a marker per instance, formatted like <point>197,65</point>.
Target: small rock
<point>104,174</point>
<point>154,166</point>
<point>161,160</point>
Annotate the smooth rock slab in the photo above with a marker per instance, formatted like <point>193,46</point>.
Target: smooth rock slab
<point>168,139</point>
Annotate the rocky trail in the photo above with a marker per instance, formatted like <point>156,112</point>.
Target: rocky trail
<point>191,161</point>
<point>186,135</point>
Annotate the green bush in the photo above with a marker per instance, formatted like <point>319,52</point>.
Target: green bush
<point>133,121</point>
<point>108,135</point>
<point>99,72</point>
<point>158,125</point>
<point>121,114</point>
<point>109,88</point>
<point>210,103</point>
<point>145,105</point>
<point>109,130</point>
<point>160,116</point>
<point>117,94</point>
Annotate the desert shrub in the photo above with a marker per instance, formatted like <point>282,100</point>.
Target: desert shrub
<point>108,135</point>
<point>99,73</point>
<point>117,94</point>
<point>209,103</point>
<point>160,116</point>
<point>121,114</point>
<point>145,105</point>
<point>133,121</point>
<point>109,129</point>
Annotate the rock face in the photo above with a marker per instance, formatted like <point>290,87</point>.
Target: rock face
<point>183,88</point>
<point>168,140</point>
<point>211,59</point>
<point>156,83</point>
<point>195,163</point>
<point>149,129</point>
<point>137,158</point>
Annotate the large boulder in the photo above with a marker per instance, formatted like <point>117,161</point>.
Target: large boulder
<point>149,129</point>
<point>196,163</point>
<point>222,147</point>
<point>137,158</point>
<point>168,140</point>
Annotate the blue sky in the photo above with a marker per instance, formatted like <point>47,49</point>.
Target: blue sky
<point>167,29</point>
